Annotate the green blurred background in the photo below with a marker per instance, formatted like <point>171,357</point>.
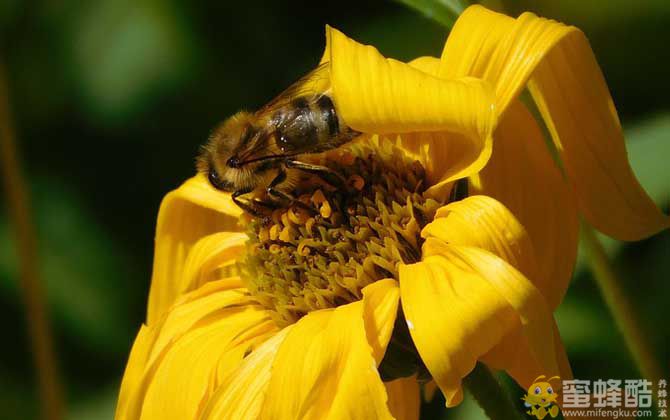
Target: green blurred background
<point>111,100</point>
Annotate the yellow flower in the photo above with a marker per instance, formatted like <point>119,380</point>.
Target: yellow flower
<point>489,269</point>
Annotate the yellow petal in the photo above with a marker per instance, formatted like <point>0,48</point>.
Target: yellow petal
<point>187,214</point>
<point>380,300</point>
<point>446,157</point>
<point>324,369</point>
<point>589,137</point>
<point>241,396</point>
<point>483,222</point>
<point>427,64</point>
<point>560,69</point>
<point>207,255</point>
<point>209,300</point>
<point>378,95</point>
<point>523,176</point>
<point>208,331</point>
<point>132,376</point>
<point>461,304</point>
<point>404,398</point>
<point>180,384</point>
<point>383,96</point>
<point>515,356</point>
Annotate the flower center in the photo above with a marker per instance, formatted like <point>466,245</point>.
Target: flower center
<point>323,249</point>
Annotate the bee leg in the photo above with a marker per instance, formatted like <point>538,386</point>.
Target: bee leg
<point>323,172</point>
<point>331,177</point>
<point>249,206</point>
<point>292,201</point>
<point>276,193</point>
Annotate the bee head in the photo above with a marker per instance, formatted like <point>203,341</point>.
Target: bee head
<point>206,166</point>
<point>227,160</point>
<point>218,182</point>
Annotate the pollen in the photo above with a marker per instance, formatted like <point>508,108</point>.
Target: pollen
<point>321,252</point>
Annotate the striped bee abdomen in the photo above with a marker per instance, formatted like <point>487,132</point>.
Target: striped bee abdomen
<point>308,125</point>
<point>328,115</point>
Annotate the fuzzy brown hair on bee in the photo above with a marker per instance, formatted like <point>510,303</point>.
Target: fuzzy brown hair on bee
<point>219,156</point>
<point>259,153</point>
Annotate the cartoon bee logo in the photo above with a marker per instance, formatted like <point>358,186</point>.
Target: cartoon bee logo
<point>541,398</point>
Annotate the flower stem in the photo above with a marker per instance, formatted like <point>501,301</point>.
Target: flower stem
<point>33,297</point>
<point>620,307</point>
<point>490,394</point>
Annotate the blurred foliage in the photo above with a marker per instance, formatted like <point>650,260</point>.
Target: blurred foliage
<point>113,98</point>
<point>443,11</point>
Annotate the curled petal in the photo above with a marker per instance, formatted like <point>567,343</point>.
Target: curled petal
<point>380,300</point>
<point>324,369</point>
<point>446,157</point>
<point>558,65</point>
<point>483,222</point>
<point>378,95</point>
<point>461,304</point>
<point>187,214</point>
<point>404,398</point>
<point>514,356</point>
<point>523,176</point>
<point>586,130</point>
<point>383,96</point>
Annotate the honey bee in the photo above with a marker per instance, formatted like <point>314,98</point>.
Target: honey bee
<point>259,153</point>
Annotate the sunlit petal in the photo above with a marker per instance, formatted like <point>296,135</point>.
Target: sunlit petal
<point>242,394</point>
<point>132,377</point>
<point>427,64</point>
<point>523,176</point>
<point>384,96</point>
<point>209,331</point>
<point>209,254</point>
<point>461,304</point>
<point>558,65</point>
<point>324,369</point>
<point>380,300</point>
<point>485,223</point>
<point>187,214</point>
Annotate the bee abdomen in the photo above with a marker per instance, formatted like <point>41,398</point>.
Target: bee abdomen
<point>333,132</point>
<point>295,126</point>
<point>309,125</point>
<point>329,115</point>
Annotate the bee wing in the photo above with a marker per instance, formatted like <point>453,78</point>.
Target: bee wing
<point>313,83</point>
<point>311,87</point>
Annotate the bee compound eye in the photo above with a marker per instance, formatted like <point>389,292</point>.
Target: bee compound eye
<point>537,390</point>
<point>216,181</point>
<point>550,390</point>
